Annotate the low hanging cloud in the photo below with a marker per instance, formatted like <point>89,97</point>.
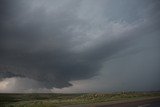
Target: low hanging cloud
<point>55,42</point>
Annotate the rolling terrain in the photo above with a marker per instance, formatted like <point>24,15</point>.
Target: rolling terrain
<point>82,99</point>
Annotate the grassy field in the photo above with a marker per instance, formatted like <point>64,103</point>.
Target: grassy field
<point>56,100</point>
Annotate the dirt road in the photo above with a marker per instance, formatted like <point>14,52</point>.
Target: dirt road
<point>155,102</point>
<point>145,103</point>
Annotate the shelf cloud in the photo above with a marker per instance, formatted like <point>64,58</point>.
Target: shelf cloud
<point>53,44</point>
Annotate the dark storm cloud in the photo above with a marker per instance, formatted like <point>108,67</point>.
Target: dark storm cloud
<point>38,41</point>
<point>38,48</point>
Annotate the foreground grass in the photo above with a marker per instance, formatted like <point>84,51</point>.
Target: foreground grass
<point>56,100</point>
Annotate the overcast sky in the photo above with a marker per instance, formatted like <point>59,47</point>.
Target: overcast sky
<point>79,45</point>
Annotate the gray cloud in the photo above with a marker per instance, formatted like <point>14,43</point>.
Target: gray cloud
<point>56,42</point>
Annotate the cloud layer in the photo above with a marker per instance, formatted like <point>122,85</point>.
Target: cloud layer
<point>57,42</point>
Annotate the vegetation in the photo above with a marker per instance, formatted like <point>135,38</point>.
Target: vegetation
<point>56,100</point>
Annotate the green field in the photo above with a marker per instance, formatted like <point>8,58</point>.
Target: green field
<point>56,100</point>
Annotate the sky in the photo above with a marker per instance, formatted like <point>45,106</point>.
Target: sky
<point>78,46</point>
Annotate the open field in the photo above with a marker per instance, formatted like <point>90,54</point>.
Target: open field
<point>56,100</point>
